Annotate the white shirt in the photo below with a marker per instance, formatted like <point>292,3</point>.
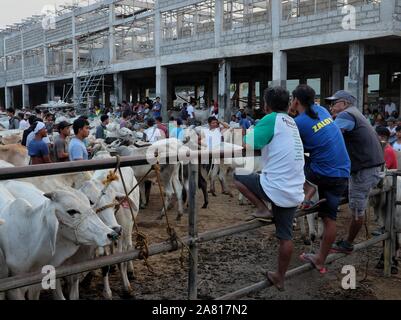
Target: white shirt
<point>390,108</point>
<point>23,125</point>
<point>191,111</point>
<point>397,146</point>
<point>212,138</point>
<point>153,134</point>
<point>282,176</point>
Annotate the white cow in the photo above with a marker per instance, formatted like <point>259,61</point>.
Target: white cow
<point>169,172</point>
<point>52,227</point>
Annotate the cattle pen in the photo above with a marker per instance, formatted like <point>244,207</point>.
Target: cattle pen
<point>194,239</point>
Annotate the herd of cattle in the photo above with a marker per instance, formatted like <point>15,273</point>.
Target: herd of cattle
<point>66,219</point>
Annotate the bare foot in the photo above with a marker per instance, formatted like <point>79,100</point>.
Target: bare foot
<point>312,259</point>
<point>275,280</point>
<point>264,214</point>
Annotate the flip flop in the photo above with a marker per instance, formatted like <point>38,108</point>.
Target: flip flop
<point>253,218</point>
<point>314,205</point>
<point>269,279</point>
<point>307,258</point>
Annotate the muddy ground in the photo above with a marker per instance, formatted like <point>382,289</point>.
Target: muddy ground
<point>231,263</point>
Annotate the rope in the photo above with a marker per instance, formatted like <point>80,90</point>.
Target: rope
<point>142,243</point>
<point>174,238</point>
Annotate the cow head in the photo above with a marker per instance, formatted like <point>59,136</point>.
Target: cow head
<point>98,201</point>
<point>83,226</point>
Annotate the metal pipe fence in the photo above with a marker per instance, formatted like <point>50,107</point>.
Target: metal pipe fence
<point>193,240</point>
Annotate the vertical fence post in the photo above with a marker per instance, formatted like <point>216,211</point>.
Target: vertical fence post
<point>193,232</point>
<point>389,227</point>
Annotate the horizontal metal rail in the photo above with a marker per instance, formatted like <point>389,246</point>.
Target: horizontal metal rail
<point>91,165</point>
<point>165,247</point>
<point>301,269</point>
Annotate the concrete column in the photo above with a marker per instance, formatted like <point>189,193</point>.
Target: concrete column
<point>224,90</point>
<point>158,32</point>
<point>161,88</point>
<point>8,97</point>
<point>119,91</point>
<point>218,22</point>
<point>215,87</point>
<point>25,96</point>
<point>22,58</point>
<point>336,77</point>
<point>280,68</point>
<point>356,72</point>
<point>276,15</point>
<point>75,55</point>
<point>112,40</point>
<point>50,91</point>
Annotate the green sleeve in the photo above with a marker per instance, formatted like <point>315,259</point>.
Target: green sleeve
<point>263,133</point>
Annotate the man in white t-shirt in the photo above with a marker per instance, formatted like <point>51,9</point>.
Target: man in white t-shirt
<point>191,112</point>
<point>390,108</point>
<point>282,179</point>
<point>153,134</point>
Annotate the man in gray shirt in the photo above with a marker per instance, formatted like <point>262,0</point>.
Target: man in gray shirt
<point>100,130</point>
<point>60,145</point>
<point>14,121</point>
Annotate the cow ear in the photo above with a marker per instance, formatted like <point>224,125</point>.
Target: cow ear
<point>50,195</point>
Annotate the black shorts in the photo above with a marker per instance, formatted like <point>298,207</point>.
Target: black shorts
<point>331,189</point>
<point>283,217</point>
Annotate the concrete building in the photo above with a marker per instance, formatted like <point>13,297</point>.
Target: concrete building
<point>226,50</point>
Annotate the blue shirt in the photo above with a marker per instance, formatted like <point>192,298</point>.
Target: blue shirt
<point>245,124</point>
<point>177,133</point>
<point>325,143</point>
<point>38,148</point>
<point>157,110</point>
<point>77,150</point>
<point>345,121</point>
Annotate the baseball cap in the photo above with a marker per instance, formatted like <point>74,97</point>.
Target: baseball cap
<point>64,124</point>
<point>342,95</point>
<point>39,127</point>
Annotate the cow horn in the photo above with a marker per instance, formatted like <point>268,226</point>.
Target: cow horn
<point>50,195</point>
<point>1,222</point>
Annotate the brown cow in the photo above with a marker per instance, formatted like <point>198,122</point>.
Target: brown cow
<point>15,154</point>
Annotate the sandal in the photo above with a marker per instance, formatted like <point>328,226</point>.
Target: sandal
<point>309,205</point>
<point>307,258</point>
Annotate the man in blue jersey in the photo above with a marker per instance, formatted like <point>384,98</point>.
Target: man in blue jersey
<point>328,166</point>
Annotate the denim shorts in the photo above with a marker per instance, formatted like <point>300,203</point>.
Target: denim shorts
<point>331,189</point>
<point>283,217</point>
<point>360,185</point>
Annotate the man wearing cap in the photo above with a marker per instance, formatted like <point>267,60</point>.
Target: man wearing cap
<point>366,155</point>
<point>38,150</point>
<point>60,145</point>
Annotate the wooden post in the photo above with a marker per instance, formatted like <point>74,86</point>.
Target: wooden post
<point>389,228</point>
<point>193,233</point>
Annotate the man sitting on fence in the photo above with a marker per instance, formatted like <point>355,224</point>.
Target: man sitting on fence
<point>282,179</point>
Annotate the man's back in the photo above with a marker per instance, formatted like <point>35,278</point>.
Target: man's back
<point>283,176</point>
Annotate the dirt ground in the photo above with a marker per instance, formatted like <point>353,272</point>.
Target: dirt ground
<point>231,263</point>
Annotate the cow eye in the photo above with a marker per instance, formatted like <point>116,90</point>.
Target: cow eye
<point>91,202</point>
<point>72,212</point>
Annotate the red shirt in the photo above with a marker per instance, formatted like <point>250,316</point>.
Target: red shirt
<point>163,128</point>
<point>390,157</point>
